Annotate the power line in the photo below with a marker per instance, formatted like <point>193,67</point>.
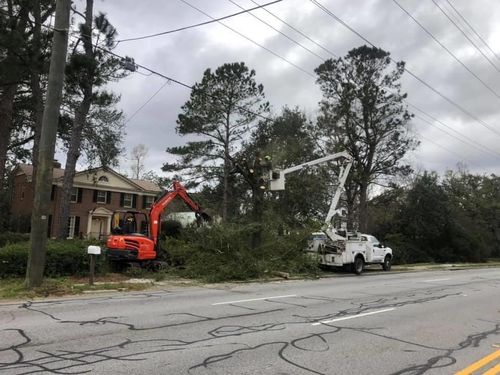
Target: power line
<point>489,88</point>
<point>481,147</point>
<point>169,79</point>
<point>251,40</point>
<point>465,35</point>
<point>198,24</point>
<point>298,31</point>
<point>444,148</point>
<point>280,32</point>
<point>468,142</point>
<point>436,91</point>
<point>146,102</point>
<point>473,30</point>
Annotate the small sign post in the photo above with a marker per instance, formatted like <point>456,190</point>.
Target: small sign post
<point>93,251</point>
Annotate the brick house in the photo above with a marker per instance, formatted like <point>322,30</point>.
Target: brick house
<point>96,194</point>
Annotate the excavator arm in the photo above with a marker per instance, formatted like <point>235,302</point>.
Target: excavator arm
<point>161,204</point>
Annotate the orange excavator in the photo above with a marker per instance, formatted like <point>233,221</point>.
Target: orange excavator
<point>135,236</point>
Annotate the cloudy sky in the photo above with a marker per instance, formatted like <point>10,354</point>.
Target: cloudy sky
<point>466,132</point>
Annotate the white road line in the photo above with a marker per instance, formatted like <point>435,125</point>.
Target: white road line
<point>253,299</point>
<point>353,316</point>
<point>434,280</point>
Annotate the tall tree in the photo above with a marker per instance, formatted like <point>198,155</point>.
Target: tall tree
<point>13,27</point>
<point>43,184</point>
<point>221,110</point>
<point>363,112</point>
<point>137,157</point>
<point>288,140</point>
<point>89,69</point>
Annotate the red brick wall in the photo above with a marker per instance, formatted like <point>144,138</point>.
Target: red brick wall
<point>22,204</point>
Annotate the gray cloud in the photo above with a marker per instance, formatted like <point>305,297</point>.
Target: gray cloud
<point>185,55</point>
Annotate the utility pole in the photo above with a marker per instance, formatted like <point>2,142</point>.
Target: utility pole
<point>43,184</point>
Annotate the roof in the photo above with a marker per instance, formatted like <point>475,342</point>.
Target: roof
<point>27,169</point>
<point>58,173</point>
<point>146,185</point>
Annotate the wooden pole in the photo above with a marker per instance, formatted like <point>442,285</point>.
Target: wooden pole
<point>43,184</point>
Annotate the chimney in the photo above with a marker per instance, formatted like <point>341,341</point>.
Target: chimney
<point>56,164</point>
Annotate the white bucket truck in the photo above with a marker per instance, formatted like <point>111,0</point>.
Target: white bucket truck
<point>336,246</point>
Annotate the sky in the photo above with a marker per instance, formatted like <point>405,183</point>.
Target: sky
<point>464,125</point>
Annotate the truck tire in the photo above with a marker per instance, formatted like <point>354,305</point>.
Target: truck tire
<point>386,266</point>
<point>358,265</point>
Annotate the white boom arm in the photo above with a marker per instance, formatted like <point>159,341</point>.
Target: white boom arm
<point>279,183</point>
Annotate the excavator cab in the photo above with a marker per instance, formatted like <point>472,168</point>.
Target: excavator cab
<point>135,235</point>
<point>129,223</point>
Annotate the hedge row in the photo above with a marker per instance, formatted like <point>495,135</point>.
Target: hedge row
<point>64,258</point>
<point>12,237</point>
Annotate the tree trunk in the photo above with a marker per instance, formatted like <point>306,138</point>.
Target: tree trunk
<point>70,167</point>
<point>6,108</point>
<point>77,129</point>
<point>36,89</point>
<point>363,207</point>
<point>258,212</point>
<point>43,185</point>
<point>227,168</point>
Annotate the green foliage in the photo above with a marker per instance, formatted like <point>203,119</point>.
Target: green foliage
<point>64,258</point>
<point>220,111</point>
<point>454,220</point>
<point>289,140</point>
<point>363,112</point>
<point>13,237</point>
<point>225,252</point>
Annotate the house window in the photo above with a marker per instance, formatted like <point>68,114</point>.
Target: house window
<point>73,226</point>
<point>74,195</point>
<point>128,200</point>
<point>147,201</point>
<point>101,196</point>
<point>103,179</point>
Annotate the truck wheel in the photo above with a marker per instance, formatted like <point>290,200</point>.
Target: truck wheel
<point>358,265</point>
<point>386,266</point>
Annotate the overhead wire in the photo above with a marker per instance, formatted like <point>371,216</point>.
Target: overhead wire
<point>466,142</point>
<point>298,31</point>
<point>473,30</point>
<point>170,79</point>
<point>416,77</point>
<point>461,157</point>
<point>455,57</point>
<point>481,147</point>
<point>251,40</point>
<point>198,24</point>
<point>465,35</point>
<point>146,102</point>
<point>280,32</point>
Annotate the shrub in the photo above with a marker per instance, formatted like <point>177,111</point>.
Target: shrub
<point>64,258</point>
<point>12,237</point>
<point>225,252</point>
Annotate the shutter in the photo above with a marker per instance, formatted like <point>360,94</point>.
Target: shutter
<point>49,226</point>
<point>77,227</point>
<point>79,193</point>
<point>143,201</point>
<point>53,192</point>
<point>108,197</point>
<point>95,196</point>
<point>134,200</point>
<point>121,199</point>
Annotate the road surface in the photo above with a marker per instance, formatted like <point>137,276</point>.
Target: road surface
<point>380,323</point>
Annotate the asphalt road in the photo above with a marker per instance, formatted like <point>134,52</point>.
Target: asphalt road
<point>383,323</point>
